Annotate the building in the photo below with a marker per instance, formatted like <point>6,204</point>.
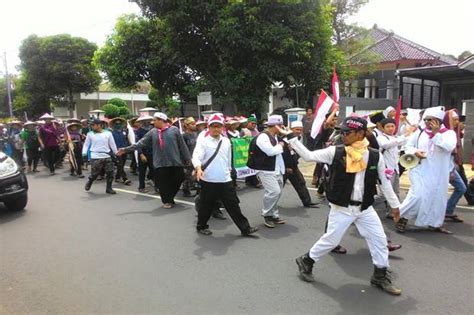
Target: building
<point>378,85</point>
<point>456,86</point>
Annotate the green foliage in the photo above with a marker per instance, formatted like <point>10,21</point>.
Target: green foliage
<point>123,111</point>
<point>111,111</point>
<point>235,49</point>
<point>53,68</point>
<point>118,102</point>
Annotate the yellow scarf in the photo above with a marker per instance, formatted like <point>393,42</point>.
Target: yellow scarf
<point>355,156</point>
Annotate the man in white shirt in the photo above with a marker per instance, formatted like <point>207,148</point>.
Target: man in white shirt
<point>265,156</point>
<point>355,169</point>
<point>100,144</point>
<point>211,159</point>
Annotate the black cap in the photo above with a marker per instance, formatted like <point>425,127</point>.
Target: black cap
<point>377,117</point>
<point>354,123</point>
<point>388,121</point>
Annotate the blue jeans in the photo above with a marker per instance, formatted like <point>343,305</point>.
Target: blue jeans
<point>459,190</point>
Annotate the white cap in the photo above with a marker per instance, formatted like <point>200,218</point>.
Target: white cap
<point>296,124</point>
<point>216,119</point>
<point>436,112</point>
<point>161,116</point>
<point>274,120</point>
<point>387,111</point>
<point>145,118</point>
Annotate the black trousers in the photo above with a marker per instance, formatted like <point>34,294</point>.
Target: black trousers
<point>142,168</point>
<point>79,161</point>
<point>469,194</point>
<point>51,155</point>
<point>169,180</point>
<point>297,180</point>
<point>120,174</point>
<point>210,193</point>
<point>33,156</point>
<point>251,180</point>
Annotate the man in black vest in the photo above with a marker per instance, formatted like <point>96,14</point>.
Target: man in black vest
<point>265,156</point>
<point>355,169</point>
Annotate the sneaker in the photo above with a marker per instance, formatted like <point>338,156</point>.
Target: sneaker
<point>279,221</point>
<point>143,190</point>
<point>305,267</point>
<point>250,230</point>
<point>205,232</point>
<point>269,222</point>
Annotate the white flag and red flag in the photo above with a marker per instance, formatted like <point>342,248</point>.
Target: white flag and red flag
<point>335,86</point>
<point>397,113</point>
<point>323,106</point>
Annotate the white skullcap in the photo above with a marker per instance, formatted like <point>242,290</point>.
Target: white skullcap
<point>296,124</point>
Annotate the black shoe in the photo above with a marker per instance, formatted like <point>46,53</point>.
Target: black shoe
<point>88,185</point>
<point>279,221</point>
<point>218,215</point>
<point>311,205</point>
<point>269,222</point>
<point>109,189</point>
<point>339,250</point>
<point>205,232</point>
<point>381,279</point>
<point>250,230</point>
<point>187,193</point>
<point>305,267</point>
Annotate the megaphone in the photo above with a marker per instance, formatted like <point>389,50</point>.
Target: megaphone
<point>409,161</point>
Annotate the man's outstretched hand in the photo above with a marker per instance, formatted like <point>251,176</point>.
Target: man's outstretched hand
<point>120,152</point>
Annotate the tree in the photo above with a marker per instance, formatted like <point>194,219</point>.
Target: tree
<point>111,110</point>
<point>236,49</point>
<point>343,9</point>
<point>118,102</point>
<point>138,50</point>
<point>54,68</point>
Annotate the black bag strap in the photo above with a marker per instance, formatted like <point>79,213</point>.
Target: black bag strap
<point>205,165</point>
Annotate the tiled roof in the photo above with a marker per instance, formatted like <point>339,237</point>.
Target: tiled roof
<point>390,47</point>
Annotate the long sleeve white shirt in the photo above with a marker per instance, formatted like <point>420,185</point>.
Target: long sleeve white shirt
<point>99,144</point>
<point>263,142</point>
<point>389,147</point>
<point>218,171</point>
<point>327,156</point>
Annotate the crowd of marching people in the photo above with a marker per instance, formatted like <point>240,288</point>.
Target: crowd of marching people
<point>357,164</point>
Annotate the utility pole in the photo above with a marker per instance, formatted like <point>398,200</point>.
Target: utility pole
<point>9,87</point>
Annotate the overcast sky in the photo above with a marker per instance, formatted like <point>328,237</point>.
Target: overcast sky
<point>444,26</point>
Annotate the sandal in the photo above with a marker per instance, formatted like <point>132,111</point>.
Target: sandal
<point>454,218</point>
<point>167,205</point>
<point>401,226</point>
<point>439,230</point>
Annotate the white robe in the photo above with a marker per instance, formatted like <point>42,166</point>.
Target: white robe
<point>428,195</point>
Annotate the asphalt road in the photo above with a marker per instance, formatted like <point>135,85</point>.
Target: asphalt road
<point>78,252</point>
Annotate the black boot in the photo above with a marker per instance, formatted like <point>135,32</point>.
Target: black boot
<point>305,266</point>
<point>381,279</point>
<point>88,184</point>
<point>109,189</point>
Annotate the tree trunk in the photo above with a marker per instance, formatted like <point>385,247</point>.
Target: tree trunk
<point>70,103</point>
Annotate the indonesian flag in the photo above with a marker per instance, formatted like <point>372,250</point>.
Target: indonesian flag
<point>397,113</point>
<point>335,86</point>
<point>322,108</point>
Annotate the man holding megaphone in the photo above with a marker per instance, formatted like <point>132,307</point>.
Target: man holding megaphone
<point>427,198</point>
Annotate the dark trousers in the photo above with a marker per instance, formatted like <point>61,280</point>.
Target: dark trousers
<point>189,181</point>
<point>210,193</point>
<point>469,194</point>
<point>169,180</point>
<point>297,180</point>
<point>142,168</point>
<point>51,155</point>
<point>79,162</point>
<point>121,160</point>
<point>33,156</point>
<point>251,180</point>
<point>98,166</point>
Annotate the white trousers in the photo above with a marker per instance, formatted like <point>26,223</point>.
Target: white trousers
<point>273,185</point>
<point>369,226</point>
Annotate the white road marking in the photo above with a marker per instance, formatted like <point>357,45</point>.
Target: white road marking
<point>152,196</point>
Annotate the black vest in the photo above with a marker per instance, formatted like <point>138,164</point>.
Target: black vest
<point>259,160</point>
<point>341,183</point>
